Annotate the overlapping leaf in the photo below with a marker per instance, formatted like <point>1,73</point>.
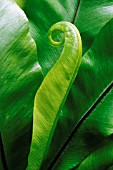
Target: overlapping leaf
<point>97,127</point>
<point>102,158</point>
<point>91,17</point>
<point>20,76</point>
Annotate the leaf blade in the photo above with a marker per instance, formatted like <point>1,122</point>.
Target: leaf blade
<point>46,113</point>
<point>19,72</point>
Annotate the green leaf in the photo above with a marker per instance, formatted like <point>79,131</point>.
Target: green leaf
<point>97,126</point>
<point>20,76</point>
<point>93,78</point>
<point>53,91</point>
<point>89,16</point>
<point>101,158</point>
<point>94,81</point>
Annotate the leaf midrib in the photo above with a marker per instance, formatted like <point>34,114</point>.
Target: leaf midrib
<point>76,12</point>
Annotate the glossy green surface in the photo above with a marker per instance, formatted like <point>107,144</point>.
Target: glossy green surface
<point>97,127</point>
<point>53,91</point>
<point>96,74</point>
<point>42,15</point>
<point>93,78</point>
<point>20,76</point>
<point>90,18</point>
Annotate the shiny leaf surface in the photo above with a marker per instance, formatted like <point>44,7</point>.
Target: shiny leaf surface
<point>95,74</point>
<point>89,17</point>
<point>42,15</point>
<point>95,128</point>
<point>20,76</point>
<point>93,82</point>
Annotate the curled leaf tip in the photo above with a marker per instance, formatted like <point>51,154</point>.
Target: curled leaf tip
<point>55,29</point>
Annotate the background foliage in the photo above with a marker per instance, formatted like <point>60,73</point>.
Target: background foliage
<point>86,118</point>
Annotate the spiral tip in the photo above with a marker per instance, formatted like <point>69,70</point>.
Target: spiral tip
<point>56,31</point>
